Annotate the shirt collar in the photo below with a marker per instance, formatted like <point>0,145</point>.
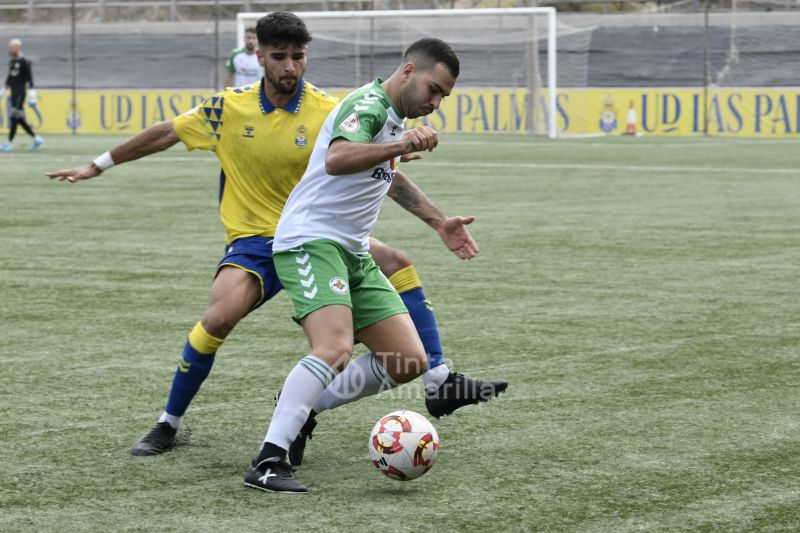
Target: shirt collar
<point>293,106</point>
<point>377,84</point>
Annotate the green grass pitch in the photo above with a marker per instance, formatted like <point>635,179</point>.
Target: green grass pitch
<point>641,295</point>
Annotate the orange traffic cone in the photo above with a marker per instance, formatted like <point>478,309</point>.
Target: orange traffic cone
<point>631,129</point>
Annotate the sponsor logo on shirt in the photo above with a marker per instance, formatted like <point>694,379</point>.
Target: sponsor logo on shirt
<point>249,131</point>
<point>382,174</point>
<point>351,124</point>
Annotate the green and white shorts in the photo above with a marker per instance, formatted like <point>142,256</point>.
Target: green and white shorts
<point>322,272</point>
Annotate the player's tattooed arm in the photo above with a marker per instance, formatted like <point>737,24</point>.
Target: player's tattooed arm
<point>452,230</point>
<point>411,198</point>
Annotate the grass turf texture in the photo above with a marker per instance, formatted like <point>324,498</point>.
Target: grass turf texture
<point>640,295</point>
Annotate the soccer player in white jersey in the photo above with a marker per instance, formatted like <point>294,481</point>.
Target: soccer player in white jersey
<point>321,250</point>
<point>243,67</point>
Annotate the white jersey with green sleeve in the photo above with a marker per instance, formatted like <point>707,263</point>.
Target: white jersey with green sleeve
<point>244,67</point>
<point>343,208</point>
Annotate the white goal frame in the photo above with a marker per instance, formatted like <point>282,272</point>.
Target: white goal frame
<point>550,12</point>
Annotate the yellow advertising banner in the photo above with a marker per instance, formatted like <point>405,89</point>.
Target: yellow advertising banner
<point>748,112</point>
<point>679,112</point>
<point>105,111</point>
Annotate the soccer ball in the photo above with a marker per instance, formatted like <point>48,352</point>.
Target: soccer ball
<point>403,445</point>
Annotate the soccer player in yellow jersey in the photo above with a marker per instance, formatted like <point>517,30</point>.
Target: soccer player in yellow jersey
<point>263,135</point>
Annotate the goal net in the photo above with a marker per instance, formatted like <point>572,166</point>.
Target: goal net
<point>508,57</point>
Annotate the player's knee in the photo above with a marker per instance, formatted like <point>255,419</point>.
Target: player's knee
<point>394,261</point>
<point>336,354</point>
<point>218,323</point>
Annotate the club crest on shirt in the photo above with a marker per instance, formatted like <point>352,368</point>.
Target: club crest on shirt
<point>249,131</point>
<point>338,285</point>
<point>301,140</point>
<point>350,124</point>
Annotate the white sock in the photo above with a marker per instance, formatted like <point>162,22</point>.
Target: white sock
<point>172,420</point>
<point>300,390</point>
<point>434,378</point>
<point>364,376</point>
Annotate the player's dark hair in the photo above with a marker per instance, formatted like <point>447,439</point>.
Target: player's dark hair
<point>280,29</point>
<point>250,29</point>
<point>426,53</point>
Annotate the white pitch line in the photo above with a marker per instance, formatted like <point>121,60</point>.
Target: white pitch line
<point>555,145</point>
<point>605,166</point>
<point>84,158</point>
<point>495,165</point>
<point>551,145</point>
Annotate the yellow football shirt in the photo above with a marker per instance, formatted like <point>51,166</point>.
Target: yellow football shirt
<point>263,150</point>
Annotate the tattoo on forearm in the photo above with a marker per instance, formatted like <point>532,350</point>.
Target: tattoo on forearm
<point>412,199</point>
<point>405,196</point>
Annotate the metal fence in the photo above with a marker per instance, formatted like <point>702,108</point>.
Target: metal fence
<point>37,11</point>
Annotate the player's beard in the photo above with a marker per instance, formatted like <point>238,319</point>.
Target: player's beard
<point>410,102</point>
<point>285,85</point>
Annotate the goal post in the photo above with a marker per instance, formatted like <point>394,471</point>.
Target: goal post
<point>499,48</point>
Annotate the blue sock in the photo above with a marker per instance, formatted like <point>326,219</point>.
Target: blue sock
<point>421,312</point>
<point>193,368</point>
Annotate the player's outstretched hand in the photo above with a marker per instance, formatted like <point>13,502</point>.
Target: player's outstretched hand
<point>455,235</point>
<point>75,174</point>
<point>420,138</point>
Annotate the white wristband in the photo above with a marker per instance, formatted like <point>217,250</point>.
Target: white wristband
<point>104,162</point>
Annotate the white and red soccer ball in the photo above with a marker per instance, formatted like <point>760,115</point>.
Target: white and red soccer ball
<point>403,445</point>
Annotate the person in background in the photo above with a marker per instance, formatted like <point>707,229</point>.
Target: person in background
<point>20,83</point>
<point>243,68</point>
